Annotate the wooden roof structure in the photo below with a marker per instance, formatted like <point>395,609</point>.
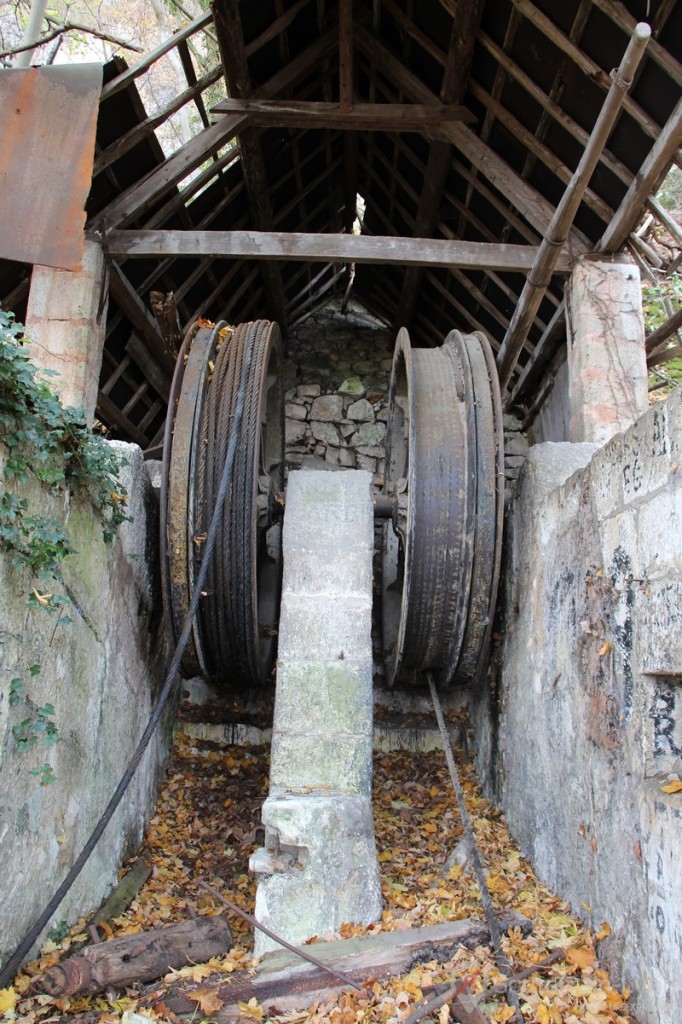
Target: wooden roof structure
<point>458,123</point>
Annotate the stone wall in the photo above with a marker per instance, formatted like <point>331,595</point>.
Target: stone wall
<point>101,673</point>
<point>587,725</point>
<point>338,376</point>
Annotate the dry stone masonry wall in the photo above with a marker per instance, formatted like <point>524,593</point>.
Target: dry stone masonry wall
<point>338,375</point>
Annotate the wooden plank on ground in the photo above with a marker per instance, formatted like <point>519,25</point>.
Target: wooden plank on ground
<point>285,982</point>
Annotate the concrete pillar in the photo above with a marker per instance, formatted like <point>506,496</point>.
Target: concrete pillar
<point>319,867</point>
<point>606,359</point>
<point>65,332</point>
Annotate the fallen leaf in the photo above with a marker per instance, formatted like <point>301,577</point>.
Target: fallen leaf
<point>8,999</point>
<point>208,999</point>
<point>580,956</point>
<point>672,787</point>
<point>252,1009</point>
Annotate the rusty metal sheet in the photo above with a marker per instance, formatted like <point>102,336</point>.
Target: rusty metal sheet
<point>48,118</point>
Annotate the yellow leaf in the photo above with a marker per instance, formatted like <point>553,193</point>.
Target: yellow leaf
<point>200,972</point>
<point>252,1009</point>
<point>8,999</point>
<point>503,1014</point>
<point>542,1014</point>
<point>208,1000</point>
<point>580,956</point>
<point>604,931</point>
<point>672,787</point>
<point>604,649</point>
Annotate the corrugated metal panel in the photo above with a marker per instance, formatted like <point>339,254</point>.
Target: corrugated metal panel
<point>48,118</point>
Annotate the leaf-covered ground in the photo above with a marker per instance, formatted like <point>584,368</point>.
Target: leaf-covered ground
<point>206,825</point>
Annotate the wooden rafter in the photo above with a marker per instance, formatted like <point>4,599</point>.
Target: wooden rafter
<point>132,203</point>
<point>460,53</point>
<point>227,20</point>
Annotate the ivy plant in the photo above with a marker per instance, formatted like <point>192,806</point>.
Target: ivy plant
<point>44,439</point>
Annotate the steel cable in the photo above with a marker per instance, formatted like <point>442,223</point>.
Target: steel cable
<point>10,968</point>
<point>490,916</point>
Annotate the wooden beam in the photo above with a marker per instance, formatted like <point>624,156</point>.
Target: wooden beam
<point>646,182</point>
<point>130,74</point>
<point>555,112</point>
<point>345,55</point>
<point>132,306</point>
<point>588,66</point>
<point>140,131</point>
<point>538,279</point>
<point>543,153</point>
<point>139,197</point>
<point>620,16</point>
<point>228,25</point>
<point>284,981</point>
<point>367,117</point>
<point>109,412</point>
<point>275,27</point>
<point>465,26</point>
<point>527,201</point>
<point>331,248</point>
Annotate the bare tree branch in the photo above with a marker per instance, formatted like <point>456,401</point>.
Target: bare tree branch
<point>72,26</point>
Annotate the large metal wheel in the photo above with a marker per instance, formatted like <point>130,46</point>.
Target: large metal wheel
<point>234,634</point>
<point>444,472</point>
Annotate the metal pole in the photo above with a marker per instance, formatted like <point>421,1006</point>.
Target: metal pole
<point>564,215</point>
<point>31,33</point>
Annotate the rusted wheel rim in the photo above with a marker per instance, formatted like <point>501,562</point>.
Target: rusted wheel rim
<point>441,553</point>
<point>234,634</point>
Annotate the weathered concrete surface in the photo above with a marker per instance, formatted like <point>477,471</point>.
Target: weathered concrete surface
<point>590,704</point>
<point>66,333</point>
<point>319,812</point>
<point>101,673</point>
<point>606,359</point>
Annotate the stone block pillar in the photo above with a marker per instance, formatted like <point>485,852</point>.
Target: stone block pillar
<point>606,358</point>
<point>64,330</point>
<point>319,867</point>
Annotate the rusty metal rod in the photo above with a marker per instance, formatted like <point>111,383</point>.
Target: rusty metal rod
<point>557,233</point>
<point>343,978</point>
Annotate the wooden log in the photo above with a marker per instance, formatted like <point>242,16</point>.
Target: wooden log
<point>285,982</point>
<point>141,957</point>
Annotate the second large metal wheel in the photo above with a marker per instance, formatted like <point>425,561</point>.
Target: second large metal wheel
<point>444,472</point>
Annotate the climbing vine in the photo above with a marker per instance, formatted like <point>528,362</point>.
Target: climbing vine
<point>44,439</point>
